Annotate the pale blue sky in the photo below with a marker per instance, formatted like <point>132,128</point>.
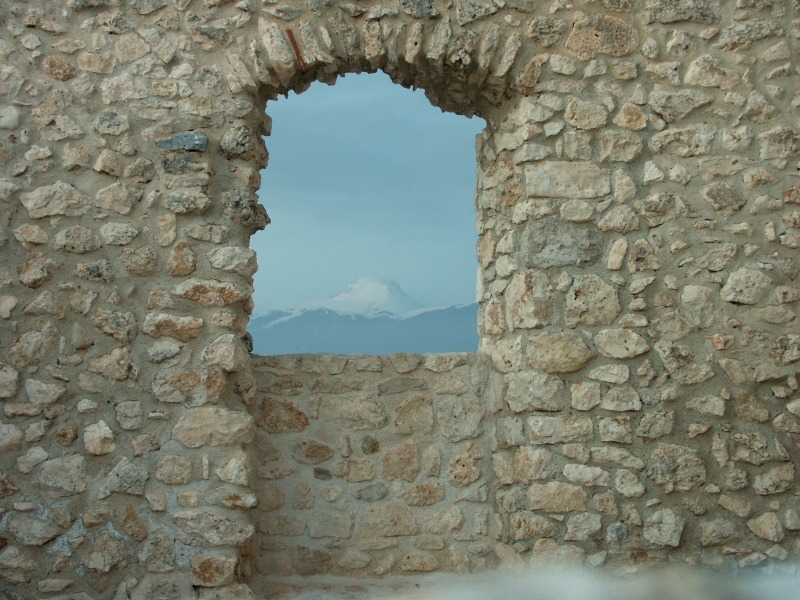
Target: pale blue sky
<point>366,179</point>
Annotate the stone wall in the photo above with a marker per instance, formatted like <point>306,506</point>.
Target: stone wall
<point>369,465</point>
<point>638,217</point>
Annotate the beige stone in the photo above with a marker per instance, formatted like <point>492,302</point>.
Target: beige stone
<point>563,352</point>
<point>213,426</point>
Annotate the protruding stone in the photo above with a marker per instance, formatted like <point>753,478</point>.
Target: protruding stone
<point>745,286</point>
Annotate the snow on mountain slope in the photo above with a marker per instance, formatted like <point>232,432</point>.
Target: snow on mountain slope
<point>367,296</point>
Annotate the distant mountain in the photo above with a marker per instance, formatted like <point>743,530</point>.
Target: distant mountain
<point>451,329</point>
<point>371,297</point>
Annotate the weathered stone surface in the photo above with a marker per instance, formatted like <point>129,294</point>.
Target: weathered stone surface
<point>529,301</point>
<point>585,115</point>
<point>192,141</point>
<point>556,497</point>
<point>534,391</point>
<point>676,468</point>
<point>692,141</point>
<point>64,476</point>
<point>213,426</point>
<point>30,530</point>
<point>174,470</point>
<point>555,430</point>
<point>213,570</point>
<point>768,527</point>
<point>389,520</point>
<point>227,352</point>
<point>98,439</point>
<point>590,301</point>
<point>182,260</point>
<point>126,477</point>
<point>120,326</point>
<point>354,411</point>
<point>117,365</point>
<point>786,350</point>
<point>234,258</point>
<point>695,11</point>
<point>563,352</point>
<point>567,180</point>
<point>620,343</point>
<point>187,201</point>
<point>118,234</point>
<point>59,198</point>
<point>745,286</point>
<point>775,480</point>
<point>212,292</point>
<point>681,363</point>
<point>601,34</point>
<point>415,415</point>
<point>533,464</point>
<point>280,416</point>
<point>77,239</point>
<point>159,325</point>
<point>215,527</point>
<point>525,525</point>
<point>664,528</point>
<point>459,417</point>
<point>116,197</point>
<point>401,462</point>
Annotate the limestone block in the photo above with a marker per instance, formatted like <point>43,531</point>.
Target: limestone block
<point>213,426</point>
<point>555,179</point>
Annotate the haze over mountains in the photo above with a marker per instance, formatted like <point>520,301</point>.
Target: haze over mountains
<point>371,317</point>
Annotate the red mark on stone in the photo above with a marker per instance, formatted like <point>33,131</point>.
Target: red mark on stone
<point>303,65</point>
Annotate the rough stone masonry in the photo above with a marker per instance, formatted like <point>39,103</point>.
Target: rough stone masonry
<point>634,399</point>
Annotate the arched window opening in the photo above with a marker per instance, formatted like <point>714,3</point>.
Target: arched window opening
<point>372,243</point>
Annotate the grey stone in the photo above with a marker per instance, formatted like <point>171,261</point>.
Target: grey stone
<point>419,9</point>
<point>674,11</point>
<point>193,141</point>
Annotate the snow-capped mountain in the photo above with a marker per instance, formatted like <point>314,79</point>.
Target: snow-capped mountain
<point>370,297</point>
<point>370,317</point>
